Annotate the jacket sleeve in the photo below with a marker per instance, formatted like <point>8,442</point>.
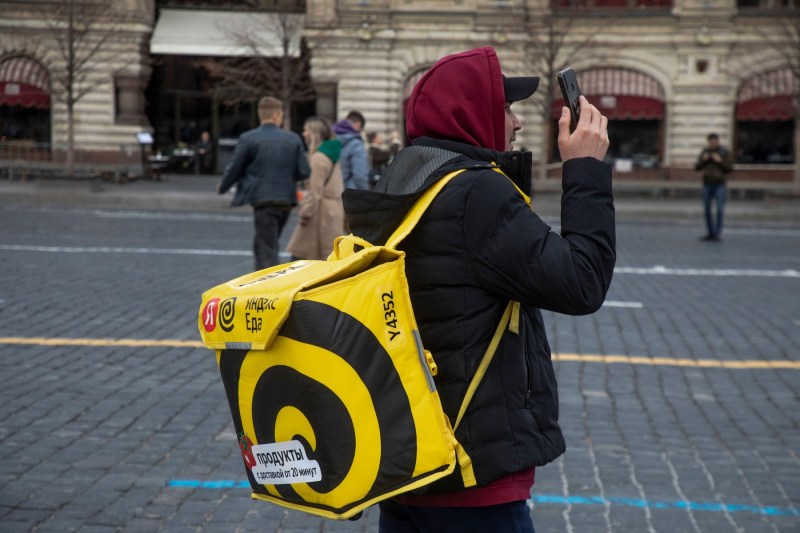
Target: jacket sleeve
<point>359,166</point>
<point>236,168</point>
<point>700,163</point>
<point>516,255</point>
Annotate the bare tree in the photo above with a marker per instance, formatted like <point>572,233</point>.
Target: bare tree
<point>274,60</point>
<point>80,30</point>
<point>785,43</point>
<point>788,47</point>
<point>552,46</point>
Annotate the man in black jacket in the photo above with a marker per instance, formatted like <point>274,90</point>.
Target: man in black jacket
<point>478,246</point>
<point>266,164</point>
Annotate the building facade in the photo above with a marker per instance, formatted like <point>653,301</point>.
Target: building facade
<point>666,73</point>
<point>104,77</point>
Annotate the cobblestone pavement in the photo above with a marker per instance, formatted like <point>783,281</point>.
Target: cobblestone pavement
<point>679,397</point>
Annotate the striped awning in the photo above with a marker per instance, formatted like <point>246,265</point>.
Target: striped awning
<point>619,94</point>
<point>205,32</point>
<point>768,96</point>
<point>24,82</point>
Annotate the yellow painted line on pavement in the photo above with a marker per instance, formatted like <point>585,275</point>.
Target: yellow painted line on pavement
<point>561,357</point>
<point>673,361</point>
<point>138,343</point>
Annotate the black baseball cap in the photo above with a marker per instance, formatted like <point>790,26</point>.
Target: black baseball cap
<point>519,88</point>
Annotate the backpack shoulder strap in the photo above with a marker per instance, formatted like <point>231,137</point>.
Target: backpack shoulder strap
<point>510,318</point>
<point>505,321</point>
<point>421,205</point>
<point>464,460</point>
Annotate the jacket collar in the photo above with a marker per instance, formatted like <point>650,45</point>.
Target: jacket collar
<point>516,165</point>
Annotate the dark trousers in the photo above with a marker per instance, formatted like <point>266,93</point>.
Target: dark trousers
<point>269,222</point>
<point>714,192</point>
<point>514,517</point>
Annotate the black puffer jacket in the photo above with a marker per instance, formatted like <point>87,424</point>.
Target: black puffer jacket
<point>477,247</point>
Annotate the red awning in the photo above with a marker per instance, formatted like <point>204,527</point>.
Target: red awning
<point>21,94</point>
<point>770,108</point>
<point>24,82</point>
<point>621,107</point>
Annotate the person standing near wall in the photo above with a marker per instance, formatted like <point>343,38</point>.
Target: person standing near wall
<point>266,164</point>
<point>203,158</point>
<point>715,162</point>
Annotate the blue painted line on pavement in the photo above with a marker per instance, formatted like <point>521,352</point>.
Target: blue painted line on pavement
<point>694,506</point>
<point>545,499</point>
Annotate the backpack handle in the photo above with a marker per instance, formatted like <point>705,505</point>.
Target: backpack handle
<point>347,245</point>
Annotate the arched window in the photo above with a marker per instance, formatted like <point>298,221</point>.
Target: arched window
<point>766,107</point>
<point>24,100</point>
<point>634,104</point>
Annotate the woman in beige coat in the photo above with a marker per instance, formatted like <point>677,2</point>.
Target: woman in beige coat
<point>320,213</point>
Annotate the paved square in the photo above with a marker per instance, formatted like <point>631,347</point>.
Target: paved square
<point>679,398</point>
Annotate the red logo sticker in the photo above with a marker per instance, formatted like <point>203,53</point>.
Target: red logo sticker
<point>210,314</point>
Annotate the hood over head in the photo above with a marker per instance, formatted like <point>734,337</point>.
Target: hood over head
<point>462,98</point>
<point>344,127</point>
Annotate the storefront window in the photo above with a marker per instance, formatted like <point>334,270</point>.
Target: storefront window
<point>766,4</point>
<point>24,124</point>
<point>634,140</point>
<point>765,142</point>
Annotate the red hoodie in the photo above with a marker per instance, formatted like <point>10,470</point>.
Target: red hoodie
<point>461,99</point>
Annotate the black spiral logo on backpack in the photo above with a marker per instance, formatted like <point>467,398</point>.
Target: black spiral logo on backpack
<point>227,310</point>
<point>324,395</point>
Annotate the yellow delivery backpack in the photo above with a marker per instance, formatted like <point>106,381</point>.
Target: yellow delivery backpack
<point>330,388</point>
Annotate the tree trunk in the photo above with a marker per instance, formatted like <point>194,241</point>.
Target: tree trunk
<point>797,151</point>
<point>71,90</point>
<point>543,161</point>
<point>70,140</point>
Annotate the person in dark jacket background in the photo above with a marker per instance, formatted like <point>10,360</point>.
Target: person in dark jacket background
<point>477,247</point>
<point>715,162</point>
<point>266,164</point>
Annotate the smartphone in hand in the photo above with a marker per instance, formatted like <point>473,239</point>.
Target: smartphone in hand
<point>571,92</point>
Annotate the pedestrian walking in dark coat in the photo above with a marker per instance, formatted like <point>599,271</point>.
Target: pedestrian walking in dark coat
<point>266,165</point>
